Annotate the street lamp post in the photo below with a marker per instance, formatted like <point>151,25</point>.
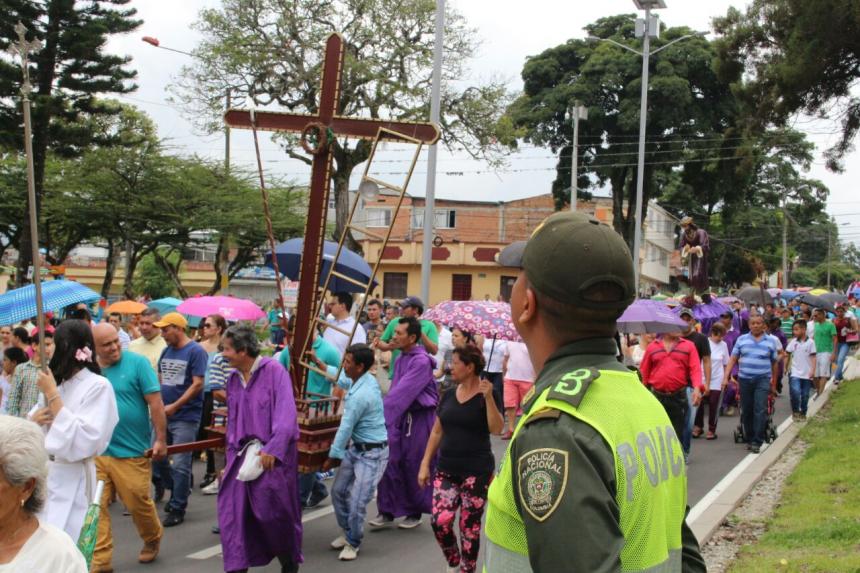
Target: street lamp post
<point>646,29</point>
<point>577,112</point>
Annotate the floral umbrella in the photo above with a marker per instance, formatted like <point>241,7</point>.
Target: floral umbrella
<point>487,318</point>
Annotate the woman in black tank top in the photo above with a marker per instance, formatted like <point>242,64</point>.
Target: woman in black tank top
<point>466,415</point>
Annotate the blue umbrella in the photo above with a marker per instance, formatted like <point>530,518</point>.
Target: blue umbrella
<point>169,304</point>
<point>18,304</point>
<point>350,264</point>
<point>649,316</point>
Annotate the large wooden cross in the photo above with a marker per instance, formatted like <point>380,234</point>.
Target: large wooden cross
<point>318,132</point>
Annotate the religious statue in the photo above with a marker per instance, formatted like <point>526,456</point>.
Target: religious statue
<point>695,246</point>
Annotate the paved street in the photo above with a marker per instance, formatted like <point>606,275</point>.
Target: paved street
<point>193,548</point>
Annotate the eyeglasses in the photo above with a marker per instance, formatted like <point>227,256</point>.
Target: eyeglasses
<point>208,325</point>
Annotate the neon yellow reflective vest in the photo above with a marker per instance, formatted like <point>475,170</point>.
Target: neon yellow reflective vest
<point>649,470</point>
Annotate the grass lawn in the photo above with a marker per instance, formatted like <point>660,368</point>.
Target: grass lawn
<point>817,524</point>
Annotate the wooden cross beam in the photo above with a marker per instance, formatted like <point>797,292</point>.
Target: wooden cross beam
<point>318,131</point>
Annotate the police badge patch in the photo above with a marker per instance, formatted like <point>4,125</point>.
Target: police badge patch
<point>542,477</point>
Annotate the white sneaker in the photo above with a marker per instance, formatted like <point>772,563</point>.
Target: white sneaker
<point>339,543</point>
<point>349,553</point>
<point>211,489</point>
<point>410,523</point>
<point>380,521</point>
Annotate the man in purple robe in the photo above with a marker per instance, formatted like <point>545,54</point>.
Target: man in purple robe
<point>410,411</point>
<point>259,519</point>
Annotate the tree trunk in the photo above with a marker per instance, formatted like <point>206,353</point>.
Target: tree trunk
<point>172,271</point>
<point>132,258</point>
<point>222,257</point>
<point>341,203</point>
<point>110,268</point>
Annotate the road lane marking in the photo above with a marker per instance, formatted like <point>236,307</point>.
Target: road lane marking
<point>215,550</point>
<point>727,481</point>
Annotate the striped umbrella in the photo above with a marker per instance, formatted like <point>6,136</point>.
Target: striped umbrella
<point>18,304</point>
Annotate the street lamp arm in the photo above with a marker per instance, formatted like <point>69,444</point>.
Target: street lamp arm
<point>614,43</point>
<point>675,41</point>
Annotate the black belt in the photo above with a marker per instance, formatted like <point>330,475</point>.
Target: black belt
<point>366,447</point>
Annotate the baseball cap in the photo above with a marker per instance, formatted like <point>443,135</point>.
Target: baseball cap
<point>412,301</point>
<point>570,252</point>
<point>685,311</point>
<point>172,319</point>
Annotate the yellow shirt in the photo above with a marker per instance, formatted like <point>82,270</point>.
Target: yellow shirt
<point>150,349</point>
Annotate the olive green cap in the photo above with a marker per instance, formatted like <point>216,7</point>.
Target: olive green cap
<point>569,253</point>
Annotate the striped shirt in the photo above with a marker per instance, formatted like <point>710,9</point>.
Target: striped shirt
<point>755,357</point>
<point>217,373</point>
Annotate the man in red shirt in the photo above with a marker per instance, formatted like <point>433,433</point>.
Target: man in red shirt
<point>670,364</point>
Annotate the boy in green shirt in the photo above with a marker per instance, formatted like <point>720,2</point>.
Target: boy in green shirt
<point>825,344</point>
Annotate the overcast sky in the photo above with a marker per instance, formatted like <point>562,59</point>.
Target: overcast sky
<point>510,31</point>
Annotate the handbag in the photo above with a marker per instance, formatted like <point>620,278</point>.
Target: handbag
<point>251,467</point>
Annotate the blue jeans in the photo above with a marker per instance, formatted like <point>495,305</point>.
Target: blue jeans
<point>354,487</point>
<point>841,355</point>
<point>312,490</point>
<point>754,393</point>
<point>175,473</point>
<point>799,393</point>
<point>687,435</point>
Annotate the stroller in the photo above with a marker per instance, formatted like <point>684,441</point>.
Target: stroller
<point>769,427</point>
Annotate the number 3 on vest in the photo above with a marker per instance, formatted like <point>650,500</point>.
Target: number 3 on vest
<point>572,386</point>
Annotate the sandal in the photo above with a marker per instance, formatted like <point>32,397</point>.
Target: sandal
<point>711,436</point>
<point>697,433</point>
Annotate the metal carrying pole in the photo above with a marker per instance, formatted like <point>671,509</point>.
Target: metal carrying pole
<point>23,49</point>
<point>640,169</point>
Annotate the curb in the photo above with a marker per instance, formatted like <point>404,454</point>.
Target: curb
<point>724,498</point>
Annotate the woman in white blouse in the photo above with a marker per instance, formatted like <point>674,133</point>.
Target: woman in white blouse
<point>26,543</point>
<point>79,417</point>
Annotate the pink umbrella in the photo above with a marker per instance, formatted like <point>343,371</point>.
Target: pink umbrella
<point>487,318</point>
<point>227,306</point>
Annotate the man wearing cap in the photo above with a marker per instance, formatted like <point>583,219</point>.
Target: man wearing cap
<point>410,307</point>
<point>181,370</point>
<point>594,478</point>
<point>150,344</point>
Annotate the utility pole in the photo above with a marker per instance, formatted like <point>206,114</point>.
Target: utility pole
<point>435,112</point>
<point>829,240</point>
<point>784,243</point>
<point>577,112</point>
<point>225,249</point>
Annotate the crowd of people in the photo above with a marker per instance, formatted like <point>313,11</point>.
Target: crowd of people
<point>419,401</point>
<point>741,362</point>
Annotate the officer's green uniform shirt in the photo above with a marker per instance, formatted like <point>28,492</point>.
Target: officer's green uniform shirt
<point>583,532</point>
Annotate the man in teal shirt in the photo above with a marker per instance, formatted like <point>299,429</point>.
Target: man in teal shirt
<point>123,467</point>
<point>411,306</point>
<point>328,354</point>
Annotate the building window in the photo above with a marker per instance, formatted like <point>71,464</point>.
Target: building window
<point>444,218</point>
<point>506,287</point>
<point>394,285</point>
<point>461,287</point>
<point>377,217</point>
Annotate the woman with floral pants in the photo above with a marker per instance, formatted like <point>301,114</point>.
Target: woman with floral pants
<point>467,414</point>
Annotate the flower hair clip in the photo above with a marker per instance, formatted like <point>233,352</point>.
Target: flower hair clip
<point>84,354</point>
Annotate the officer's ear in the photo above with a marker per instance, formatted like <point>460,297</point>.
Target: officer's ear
<point>528,313</point>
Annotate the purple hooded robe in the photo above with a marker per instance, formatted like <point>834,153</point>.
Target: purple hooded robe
<point>261,519</point>
<point>410,411</point>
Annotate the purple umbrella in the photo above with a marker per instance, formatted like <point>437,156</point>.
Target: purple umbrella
<point>649,316</point>
<point>707,314</point>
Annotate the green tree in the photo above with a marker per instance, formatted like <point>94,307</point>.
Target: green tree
<point>804,276</point>
<point>152,280</point>
<point>67,73</point>
<point>798,56</point>
<point>688,109</point>
<point>270,52</point>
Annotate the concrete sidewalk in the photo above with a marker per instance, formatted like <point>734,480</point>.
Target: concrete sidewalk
<point>707,515</point>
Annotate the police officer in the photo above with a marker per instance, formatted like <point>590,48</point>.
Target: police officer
<point>594,478</point>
